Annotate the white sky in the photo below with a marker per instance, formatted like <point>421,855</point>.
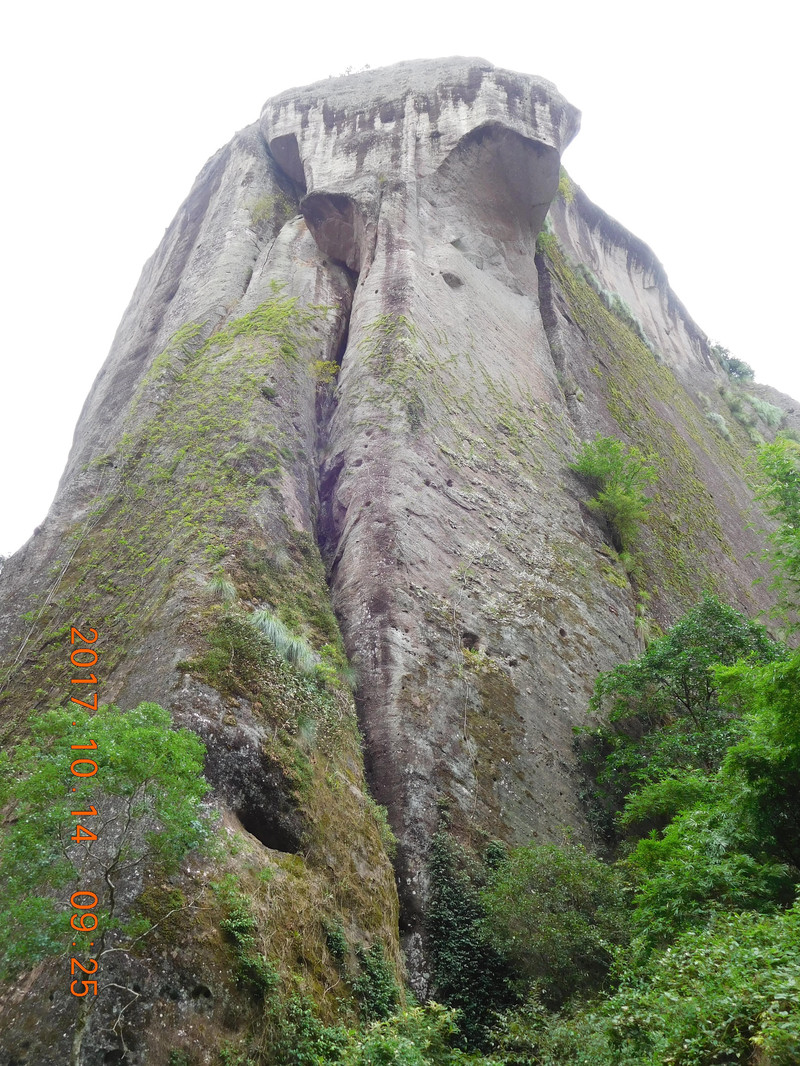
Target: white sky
<point>109,111</point>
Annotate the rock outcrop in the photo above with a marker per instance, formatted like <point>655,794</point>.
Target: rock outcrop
<point>347,390</point>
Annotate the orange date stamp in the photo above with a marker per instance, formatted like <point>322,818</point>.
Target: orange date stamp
<point>83,918</point>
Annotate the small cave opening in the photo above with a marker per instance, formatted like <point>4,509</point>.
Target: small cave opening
<point>269,828</point>
<point>255,787</point>
<point>338,226</point>
<point>286,153</point>
<point>453,280</point>
<point>469,640</point>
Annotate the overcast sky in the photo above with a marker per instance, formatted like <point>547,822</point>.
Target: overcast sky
<point>688,138</point>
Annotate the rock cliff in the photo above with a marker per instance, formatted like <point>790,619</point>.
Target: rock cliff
<point>346,391</point>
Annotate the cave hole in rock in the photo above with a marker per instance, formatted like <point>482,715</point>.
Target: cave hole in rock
<point>286,153</point>
<point>260,823</point>
<point>338,227</point>
<point>453,280</point>
<point>470,641</point>
<point>255,787</point>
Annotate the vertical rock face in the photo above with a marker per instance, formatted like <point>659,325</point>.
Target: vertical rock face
<point>430,187</point>
<point>351,379</point>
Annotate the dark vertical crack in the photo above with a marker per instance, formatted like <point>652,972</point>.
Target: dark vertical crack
<point>555,337</point>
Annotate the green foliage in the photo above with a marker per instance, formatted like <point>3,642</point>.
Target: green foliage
<point>664,708</point>
<point>470,974</point>
<point>767,759</point>
<point>241,928</point>
<point>706,861</point>
<point>375,987</point>
<point>325,371</point>
<point>417,1036</point>
<point>736,369</point>
<point>271,208</point>
<point>712,971</point>
<point>566,190</point>
<point>516,1036</point>
<point>619,475</point>
<point>301,1038</point>
<point>222,589</point>
<point>779,493</point>
<point>557,914</point>
<point>148,792</point>
<point>381,816</point>
<point>295,650</point>
<point>336,941</point>
<point>767,412</point>
<point>726,995</point>
<point>719,424</point>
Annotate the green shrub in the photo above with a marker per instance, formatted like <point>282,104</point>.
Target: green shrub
<point>619,475</point>
<point>779,493</point>
<point>664,709</point>
<point>325,371</point>
<point>295,650</point>
<point>725,996</point>
<point>222,589</point>
<point>381,816</point>
<point>417,1036</point>
<point>469,973</point>
<point>566,190</point>
<point>557,913</point>
<point>336,941</point>
<point>706,862</point>
<point>766,761</point>
<point>240,925</point>
<point>375,987</point>
<point>301,1039</point>
<point>719,424</point>
<point>767,412</point>
<point>736,369</point>
<point>149,787</point>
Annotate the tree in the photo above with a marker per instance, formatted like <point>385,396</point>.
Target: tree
<point>147,793</point>
<point>557,913</point>
<point>664,708</point>
<point>779,491</point>
<point>736,369</point>
<point>767,759</point>
<point>619,475</point>
<point>470,974</point>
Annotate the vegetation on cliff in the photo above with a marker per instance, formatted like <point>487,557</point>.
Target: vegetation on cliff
<point>619,476</point>
<point>148,812</point>
<point>684,949</point>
